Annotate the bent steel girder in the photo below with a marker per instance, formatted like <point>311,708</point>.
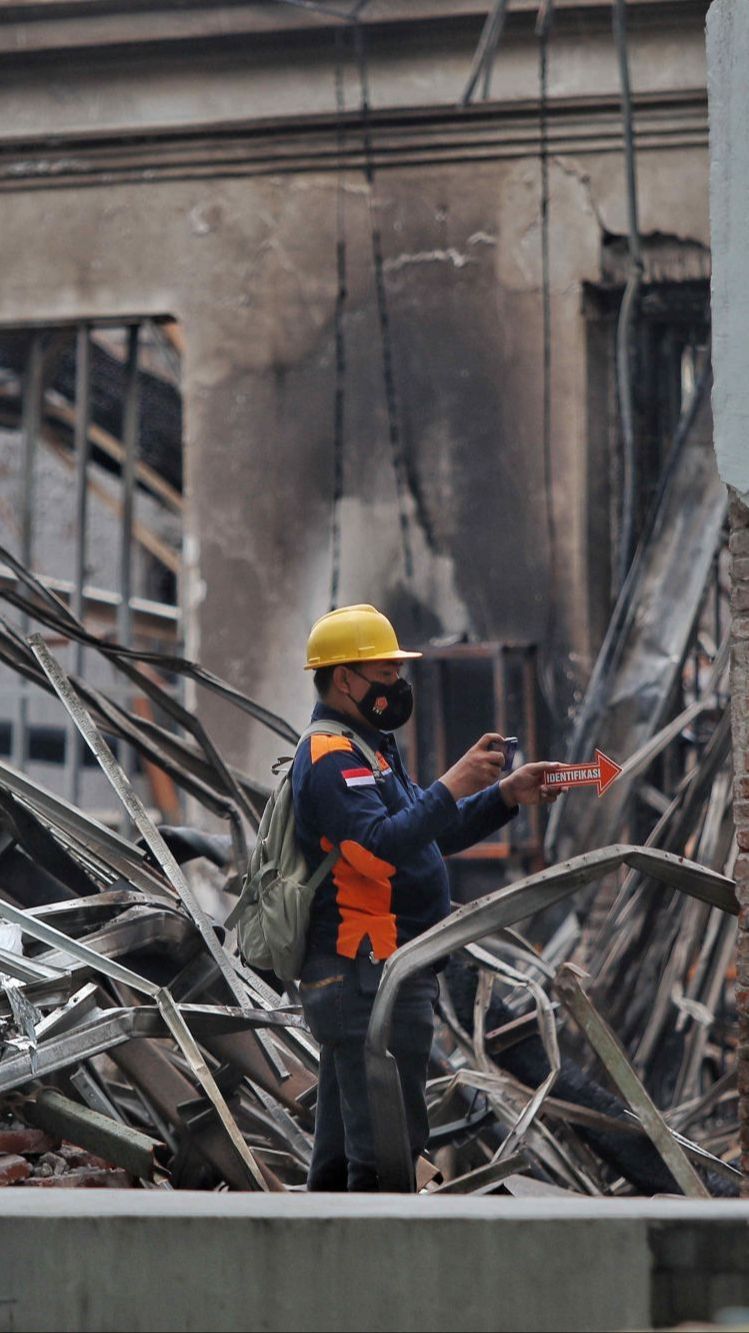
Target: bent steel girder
<point>104,1029</point>
<point>493,912</point>
<point>160,930</point>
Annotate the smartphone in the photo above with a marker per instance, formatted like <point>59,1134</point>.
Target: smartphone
<point>509,748</point>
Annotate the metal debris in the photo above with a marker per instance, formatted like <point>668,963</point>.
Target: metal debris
<point>134,1038</point>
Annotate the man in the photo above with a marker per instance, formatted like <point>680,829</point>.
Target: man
<point>390,882</point>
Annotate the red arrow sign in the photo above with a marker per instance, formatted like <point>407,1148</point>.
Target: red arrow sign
<point>601,773</point>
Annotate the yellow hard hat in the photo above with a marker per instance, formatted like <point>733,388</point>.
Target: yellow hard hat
<point>353,634</point>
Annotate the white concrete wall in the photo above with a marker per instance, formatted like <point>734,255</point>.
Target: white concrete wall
<point>112,1260</point>
<point>106,1260</point>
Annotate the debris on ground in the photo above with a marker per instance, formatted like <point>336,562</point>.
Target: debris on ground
<point>588,1048</point>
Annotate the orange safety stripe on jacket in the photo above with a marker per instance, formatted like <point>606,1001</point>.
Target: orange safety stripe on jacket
<point>321,745</point>
<point>364,898</point>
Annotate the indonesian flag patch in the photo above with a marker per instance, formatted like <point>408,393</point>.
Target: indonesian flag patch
<point>358,777</point>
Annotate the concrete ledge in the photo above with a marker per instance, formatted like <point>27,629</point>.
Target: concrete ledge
<point>110,1260</point>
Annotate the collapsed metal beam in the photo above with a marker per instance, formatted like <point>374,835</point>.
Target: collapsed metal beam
<point>32,399</point>
<point>73,745</point>
<point>642,654</point>
<point>181,666</point>
<point>130,441</point>
<point>467,925</point>
<point>136,811</point>
<point>609,1051</point>
<point>64,945</point>
<point>484,54</point>
<point>129,1148</point>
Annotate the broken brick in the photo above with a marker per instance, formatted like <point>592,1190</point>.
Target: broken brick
<point>26,1141</point>
<point>13,1168</point>
<point>83,1178</point>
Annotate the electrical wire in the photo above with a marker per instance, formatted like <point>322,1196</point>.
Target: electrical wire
<point>391,399</point>
<point>339,420</point>
<point>628,311</point>
<point>546,293</point>
<point>546,674</point>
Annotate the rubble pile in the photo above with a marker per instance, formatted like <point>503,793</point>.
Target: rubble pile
<point>586,1049</point>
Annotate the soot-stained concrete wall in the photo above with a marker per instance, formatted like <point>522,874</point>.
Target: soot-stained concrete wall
<point>240,246</point>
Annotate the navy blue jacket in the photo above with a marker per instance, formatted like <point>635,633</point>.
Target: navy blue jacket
<point>390,883</point>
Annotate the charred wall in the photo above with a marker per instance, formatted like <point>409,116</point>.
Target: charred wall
<point>231,228</point>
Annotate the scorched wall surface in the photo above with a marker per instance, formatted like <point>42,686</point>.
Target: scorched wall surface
<point>185,177</point>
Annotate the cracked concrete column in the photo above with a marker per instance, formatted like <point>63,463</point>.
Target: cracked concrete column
<point>728,60</point>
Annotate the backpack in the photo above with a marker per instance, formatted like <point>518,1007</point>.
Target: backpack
<point>273,911</point>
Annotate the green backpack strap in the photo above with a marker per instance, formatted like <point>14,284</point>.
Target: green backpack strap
<point>250,891</point>
<point>324,868</point>
<point>246,896</point>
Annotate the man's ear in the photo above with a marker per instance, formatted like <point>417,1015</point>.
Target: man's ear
<point>341,679</point>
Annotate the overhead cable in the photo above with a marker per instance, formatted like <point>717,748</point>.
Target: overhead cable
<point>546,677</point>
<point>340,345</point>
<point>391,400</point>
<point>628,311</point>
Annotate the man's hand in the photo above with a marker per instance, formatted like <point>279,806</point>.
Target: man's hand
<point>526,785</point>
<point>479,767</point>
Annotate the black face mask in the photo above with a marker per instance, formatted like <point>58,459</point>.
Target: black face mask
<point>386,706</point>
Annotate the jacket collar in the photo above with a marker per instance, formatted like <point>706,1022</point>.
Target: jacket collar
<point>374,738</point>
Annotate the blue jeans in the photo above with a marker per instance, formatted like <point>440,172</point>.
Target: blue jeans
<point>337,996</point>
